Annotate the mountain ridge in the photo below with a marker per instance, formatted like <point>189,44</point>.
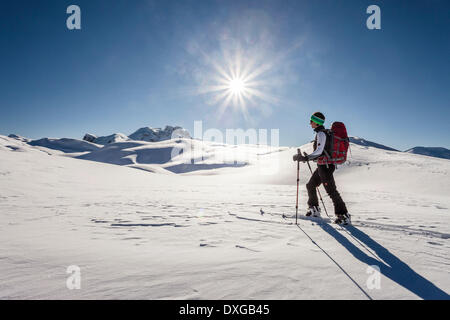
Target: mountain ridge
<point>149,134</point>
<point>435,152</point>
<point>366,143</point>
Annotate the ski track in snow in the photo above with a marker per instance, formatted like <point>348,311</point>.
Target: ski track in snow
<point>367,224</point>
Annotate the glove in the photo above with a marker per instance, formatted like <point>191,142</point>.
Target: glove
<point>299,157</point>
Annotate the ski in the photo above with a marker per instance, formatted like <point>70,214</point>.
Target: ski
<point>301,217</point>
<point>314,219</point>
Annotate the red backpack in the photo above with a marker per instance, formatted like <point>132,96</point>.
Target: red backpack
<point>336,148</point>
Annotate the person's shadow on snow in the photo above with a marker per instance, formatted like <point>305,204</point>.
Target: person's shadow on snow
<point>391,266</point>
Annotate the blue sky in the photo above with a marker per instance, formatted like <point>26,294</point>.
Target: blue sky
<point>148,63</point>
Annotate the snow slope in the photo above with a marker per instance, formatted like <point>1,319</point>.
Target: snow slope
<point>200,234</point>
<point>65,145</point>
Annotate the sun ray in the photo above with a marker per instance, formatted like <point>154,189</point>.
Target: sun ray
<point>224,105</point>
<point>240,80</point>
<point>212,88</point>
<point>221,96</point>
<point>241,100</point>
<point>263,96</point>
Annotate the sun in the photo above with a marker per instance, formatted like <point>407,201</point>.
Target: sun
<point>237,86</point>
<point>238,81</point>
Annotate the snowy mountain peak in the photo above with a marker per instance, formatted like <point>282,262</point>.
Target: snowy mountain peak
<point>143,134</point>
<point>158,134</point>
<point>113,138</point>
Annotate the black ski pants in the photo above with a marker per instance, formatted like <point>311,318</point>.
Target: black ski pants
<point>324,174</point>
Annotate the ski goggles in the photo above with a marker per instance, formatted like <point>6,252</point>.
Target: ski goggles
<point>317,120</point>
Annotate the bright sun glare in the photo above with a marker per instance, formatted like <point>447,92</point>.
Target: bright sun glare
<point>237,86</point>
<point>238,81</point>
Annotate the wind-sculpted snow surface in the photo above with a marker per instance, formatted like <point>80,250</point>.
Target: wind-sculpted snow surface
<point>202,234</point>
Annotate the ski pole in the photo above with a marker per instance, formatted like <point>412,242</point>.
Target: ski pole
<point>307,161</point>
<point>298,181</point>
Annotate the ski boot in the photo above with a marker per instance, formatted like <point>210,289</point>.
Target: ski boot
<point>313,212</point>
<point>343,219</point>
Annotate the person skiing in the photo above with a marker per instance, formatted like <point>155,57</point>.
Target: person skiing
<point>323,173</point>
